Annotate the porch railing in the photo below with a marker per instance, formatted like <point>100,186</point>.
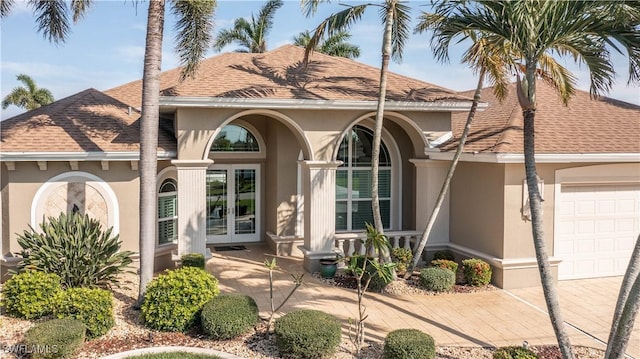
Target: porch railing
<point>348,244</point>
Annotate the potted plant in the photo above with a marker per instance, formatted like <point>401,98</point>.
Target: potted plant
<point>328,267</point>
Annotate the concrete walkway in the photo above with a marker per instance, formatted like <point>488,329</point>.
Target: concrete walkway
<point>492,318</point>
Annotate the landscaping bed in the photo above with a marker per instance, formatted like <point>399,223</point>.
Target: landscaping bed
<point>129,333</point>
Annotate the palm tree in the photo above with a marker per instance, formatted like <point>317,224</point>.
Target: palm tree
<point>580,29</point>
<point>28,96</point>
<point>250,35</point>
<point>396,18</point>
<point>194,25</point>
<point>335,45</point>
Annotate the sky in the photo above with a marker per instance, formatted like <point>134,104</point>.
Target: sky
<point>105,49</point>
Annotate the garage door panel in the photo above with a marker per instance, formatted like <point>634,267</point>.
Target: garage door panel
<point>596,229</point>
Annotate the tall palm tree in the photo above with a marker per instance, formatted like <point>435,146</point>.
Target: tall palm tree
<point>396,17</point>
<point>194,25</point>
<point>487,61</point>
<point>250,35</point>
<point>580,29</point>
<point>335,45</point>
<point>28,96</point>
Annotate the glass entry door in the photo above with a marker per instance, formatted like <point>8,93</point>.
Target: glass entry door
<point>233,203</point>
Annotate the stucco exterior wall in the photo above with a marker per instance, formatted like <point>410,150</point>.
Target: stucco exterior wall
<point>24,182</point>
<point>477,209</point>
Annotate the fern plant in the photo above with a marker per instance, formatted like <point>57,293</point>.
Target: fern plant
<point>75,248</point>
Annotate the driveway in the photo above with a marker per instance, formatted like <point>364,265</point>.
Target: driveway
<point>487,319</point>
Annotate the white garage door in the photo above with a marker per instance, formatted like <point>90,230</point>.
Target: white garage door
<point>596,229</point>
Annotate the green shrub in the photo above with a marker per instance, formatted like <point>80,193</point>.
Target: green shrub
<point>402,257</point>
<point>228,316</point>
<point>514,353</point>
<point>445,254</point>
<point>75,248</point>
<point>378,283</point>
<point>57,338</point>
<point>173,300</point>
<point>193,260</point>
<point>437,279</point>
<point>30,294</point>
<point>476,272</point>
<point>408,344</point>
<point>91,306</point>
<point>446,264</point>
<point>307,334</point>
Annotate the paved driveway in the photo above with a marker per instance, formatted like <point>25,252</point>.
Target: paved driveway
<point>493,318</point>
<point>587,304</point>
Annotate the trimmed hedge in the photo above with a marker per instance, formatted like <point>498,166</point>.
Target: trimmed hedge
<point>476,272</point>
<point>445,254</point>
<point>193,260</point>
<point>409,344</point>
<point>173,300</point>
<point>437,279</point>
<point>446,264</point>
<point>93,307</point>
<point>228,316</point>
<point>30,294</point>
<point>514,353</point>
<point>57,338</point>
<point>307,334</point>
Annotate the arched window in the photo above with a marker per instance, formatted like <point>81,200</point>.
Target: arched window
<point>234,138</point>
<point>353,181</point>
<point>168,212</point>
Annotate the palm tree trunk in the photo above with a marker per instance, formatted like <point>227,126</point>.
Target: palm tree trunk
<point>535,203</point>
<point>377,134</point>
<point>626,307</point>
<point>149,141</point>
<point>417,252</point>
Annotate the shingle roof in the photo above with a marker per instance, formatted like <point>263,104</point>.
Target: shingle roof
<point>586,125</point>
<point>280,74</point>
<point>89,121</point>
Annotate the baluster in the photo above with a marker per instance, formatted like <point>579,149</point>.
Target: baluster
<point>362,250</point>
<point>352,247</point>
<point>341,247</point>
<point>407,242</point>
<point>396,241</point>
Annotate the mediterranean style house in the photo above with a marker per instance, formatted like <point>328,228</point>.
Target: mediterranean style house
<point>260,148</point>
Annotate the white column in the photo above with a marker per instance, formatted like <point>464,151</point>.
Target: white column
<point>319,183</point>
<point>430,175</point>
<point>192,201</point>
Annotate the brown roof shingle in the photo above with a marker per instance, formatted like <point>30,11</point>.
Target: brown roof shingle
<point>280,74</point>
<point>89,121</point>
<point>586,125</point>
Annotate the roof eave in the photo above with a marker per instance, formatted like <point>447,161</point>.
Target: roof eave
<point>540,158</point>
<point>7,156</point>
<point>303,104</point>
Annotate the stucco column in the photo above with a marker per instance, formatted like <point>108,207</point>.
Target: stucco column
<point>430,175</point>
<point>192,200</point>
<point>319,183</point>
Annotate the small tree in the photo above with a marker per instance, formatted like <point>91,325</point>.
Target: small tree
<point>364,271</point>
<point>297,281</point>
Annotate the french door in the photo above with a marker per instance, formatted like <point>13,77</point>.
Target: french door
<point>233,203</point>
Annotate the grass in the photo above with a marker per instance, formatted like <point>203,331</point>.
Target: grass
<point>175,355</point>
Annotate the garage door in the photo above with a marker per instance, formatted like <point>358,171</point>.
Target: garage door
<point>596,228</point>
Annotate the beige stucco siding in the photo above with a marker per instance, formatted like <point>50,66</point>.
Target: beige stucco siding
<point>477,198</point>
<point>26,180</point>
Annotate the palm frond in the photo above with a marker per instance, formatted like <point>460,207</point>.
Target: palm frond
<point>400,28</point>
<point>51,19</point>
<point>5,7</point>
<point>310,7</point>
<point>335,23</point>
<point>79,8</point>
<point>193,32</point>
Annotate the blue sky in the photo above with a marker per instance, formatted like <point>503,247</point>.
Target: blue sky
<point>106,48</point>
